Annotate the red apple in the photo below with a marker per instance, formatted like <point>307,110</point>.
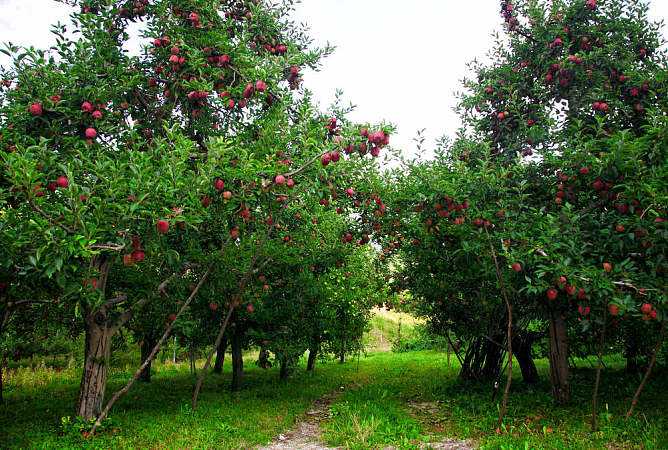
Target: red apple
<point>206,201</point>
<point>250,308</point>
<point>162,226</point>
<point>138,255</point>
<point>36,109</point>
<point>62,181</point>
<point>290,183</point>
<point>213,306</point>
<point>279,180</point>
<point>552,294</point>
<point>517,267</point>
<point>260,86</point>
<point>646,308</point>
<point>227,195</point>
<point>219,184</point>
<point>613,310</point>
<point>325,159</point>
<point>87,107</point>
<point>607,267</point>
<point>91,133</point>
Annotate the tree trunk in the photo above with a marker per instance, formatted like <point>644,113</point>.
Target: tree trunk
<point>147,345</point>
<point>96,365</point>
<point>559,371</point>
<point>312,357</point>
<point>342,357</point>
<point>631,353</point>
<point>237,360</point>
<point>522,346</point>
<point>263,359</point>
<point>493,358</point>
<point>220,356</point>
<point>285,369</point>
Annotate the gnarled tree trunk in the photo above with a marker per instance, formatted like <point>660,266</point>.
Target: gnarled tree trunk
<point>559,371</point>
<point>220,356</point>
<point>146,347</point>
<point>96,366</point>
<point>237,359</point>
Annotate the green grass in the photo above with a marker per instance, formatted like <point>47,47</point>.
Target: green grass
<point>387,327</point>
<point>373,411</point>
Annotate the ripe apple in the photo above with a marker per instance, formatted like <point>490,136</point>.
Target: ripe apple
<point>613,310</point>
<point>570,289</point>
<point>250,308</point>
<point>646,308</point>
<point>62,182</point>
<point>138,255</point>
<point>213,306</point>
<point>335,156</point>
<point>552,294</point>
<point>260,86</point>
<point>290,183</point>
<point>607,267</point>
<point>91,133</point>
<point>36,109</point>
<point>97,115</point>
<point>219,184</point>
<point>206,201</point>
<point>162,226</point>
<point>517,267</point>
<point>279,180</point>
<point>128,261</point>
<point>234,232</point>
<point>227,195</point>
<point>325,159</point>
<point>171,317</point>
<point>87,107</point>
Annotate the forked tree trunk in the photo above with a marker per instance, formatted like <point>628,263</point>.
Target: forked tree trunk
<point>96,366</point>
<point>220,356</point>
<point>522,349</point>
<point>147,345</point>
<point>237,360</point>
<point>559,372</point>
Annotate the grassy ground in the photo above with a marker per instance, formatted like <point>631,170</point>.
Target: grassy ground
<point>388,326</point>
<point>390,399</point>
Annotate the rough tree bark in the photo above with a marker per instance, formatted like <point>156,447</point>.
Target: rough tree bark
<point>558,355</point>
<point>147,345</point>
<point>220,356</point>
<point>237,359</point>
<point>96,365</point>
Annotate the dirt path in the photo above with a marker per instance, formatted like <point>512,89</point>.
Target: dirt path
<point>306,434</point>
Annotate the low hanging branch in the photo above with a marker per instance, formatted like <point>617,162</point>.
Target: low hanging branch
<point>151,356</point>
<point>509,337</point>
<point>657,349</point>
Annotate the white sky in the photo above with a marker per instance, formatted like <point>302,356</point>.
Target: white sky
<point>397,60</point>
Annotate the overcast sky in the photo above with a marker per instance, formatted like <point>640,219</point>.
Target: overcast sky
<point>397,60</point>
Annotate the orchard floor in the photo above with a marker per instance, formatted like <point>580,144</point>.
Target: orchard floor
<point>400,400</point>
